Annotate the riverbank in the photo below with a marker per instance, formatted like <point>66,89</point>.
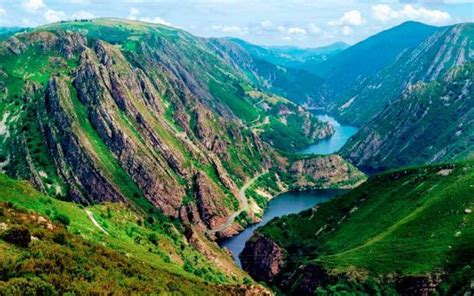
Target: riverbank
<point>308,180</point>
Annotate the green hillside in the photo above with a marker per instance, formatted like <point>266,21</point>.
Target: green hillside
<point>126,251</point>
<point>411,222</point>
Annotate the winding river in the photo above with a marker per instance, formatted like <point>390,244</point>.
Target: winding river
<point>294,202</point>
<point>335,142</point>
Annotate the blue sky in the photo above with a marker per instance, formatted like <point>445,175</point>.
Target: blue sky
<point>268,22</point>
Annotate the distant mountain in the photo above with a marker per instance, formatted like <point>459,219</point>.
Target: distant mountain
<point>6,32</point>
<point>290,56</point>
<point>367,95</point>
<point>270,71</point>
<point>364,59</point>
<point>309,54</point>
<point>430,122</point>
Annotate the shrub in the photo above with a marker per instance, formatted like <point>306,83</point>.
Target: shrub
<point>22,286</point>
<point>63,219</point>
<point>150,220</point>
<point>17,235</point>
<point>153,238</point>
<point>60,238</point>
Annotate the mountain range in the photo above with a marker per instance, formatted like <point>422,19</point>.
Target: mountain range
<point>141,145</point>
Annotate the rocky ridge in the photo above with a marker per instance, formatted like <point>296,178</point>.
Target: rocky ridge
<point>130,116</point>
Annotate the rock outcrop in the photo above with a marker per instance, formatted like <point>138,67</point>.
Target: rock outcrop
<point>262,258</point>
<point>324,172</point>
<point>211,202</point>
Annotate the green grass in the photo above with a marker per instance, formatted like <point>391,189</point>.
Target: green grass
<point>59,262</point>
<point>237,103</point>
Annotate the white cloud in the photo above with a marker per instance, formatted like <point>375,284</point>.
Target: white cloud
<point>52,16</point>
<point>385,13</point>
<point>155,20</point>
<point>292,31</point>
<point>289,34</point>
<point>266,25</point>
<point>314,29</point>
<point>133,13</point>
<point>82,14</point>
<point>231,30</point>
<point>346,30</point>
<point>2,12</point>
<point>349,18</point>
<point>33,5</point>
<point>296,31</point>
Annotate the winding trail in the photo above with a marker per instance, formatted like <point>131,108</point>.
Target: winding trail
<point>244,205</point>
<point>96,224</point>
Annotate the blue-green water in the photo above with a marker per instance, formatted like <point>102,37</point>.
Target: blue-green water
<point>295,202</point>
<point>284,204</point>
<point>335,142</point>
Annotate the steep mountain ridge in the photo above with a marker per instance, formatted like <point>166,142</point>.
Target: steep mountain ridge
<point>361,61</point>
<point>112,110</point>
<point>447,48</point>
<point>430,122</point>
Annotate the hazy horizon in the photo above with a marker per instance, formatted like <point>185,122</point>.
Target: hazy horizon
<point>298,23</point>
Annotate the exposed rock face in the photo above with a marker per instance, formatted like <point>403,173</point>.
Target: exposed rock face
<point>85,178</point>
<point>262,258</point>
<point>105,92</point>
<point>324,171</point>
<point>136,118</point>
<point>210,201</point>
<point>15,45</point>
<point>326,131</point>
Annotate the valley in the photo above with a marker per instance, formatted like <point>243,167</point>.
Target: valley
<point>295,201</point>
<point>139,158</point>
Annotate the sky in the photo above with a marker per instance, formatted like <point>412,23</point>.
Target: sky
<point>302,23</point>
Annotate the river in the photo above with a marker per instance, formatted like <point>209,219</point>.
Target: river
<point>335,142</point>
<point>295,202</point>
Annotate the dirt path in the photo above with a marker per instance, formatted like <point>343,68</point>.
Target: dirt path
<point>91,217</point>
<point>244,205</point>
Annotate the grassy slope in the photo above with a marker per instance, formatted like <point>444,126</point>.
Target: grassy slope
<point>130,236</point>
<point>411,221</point>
